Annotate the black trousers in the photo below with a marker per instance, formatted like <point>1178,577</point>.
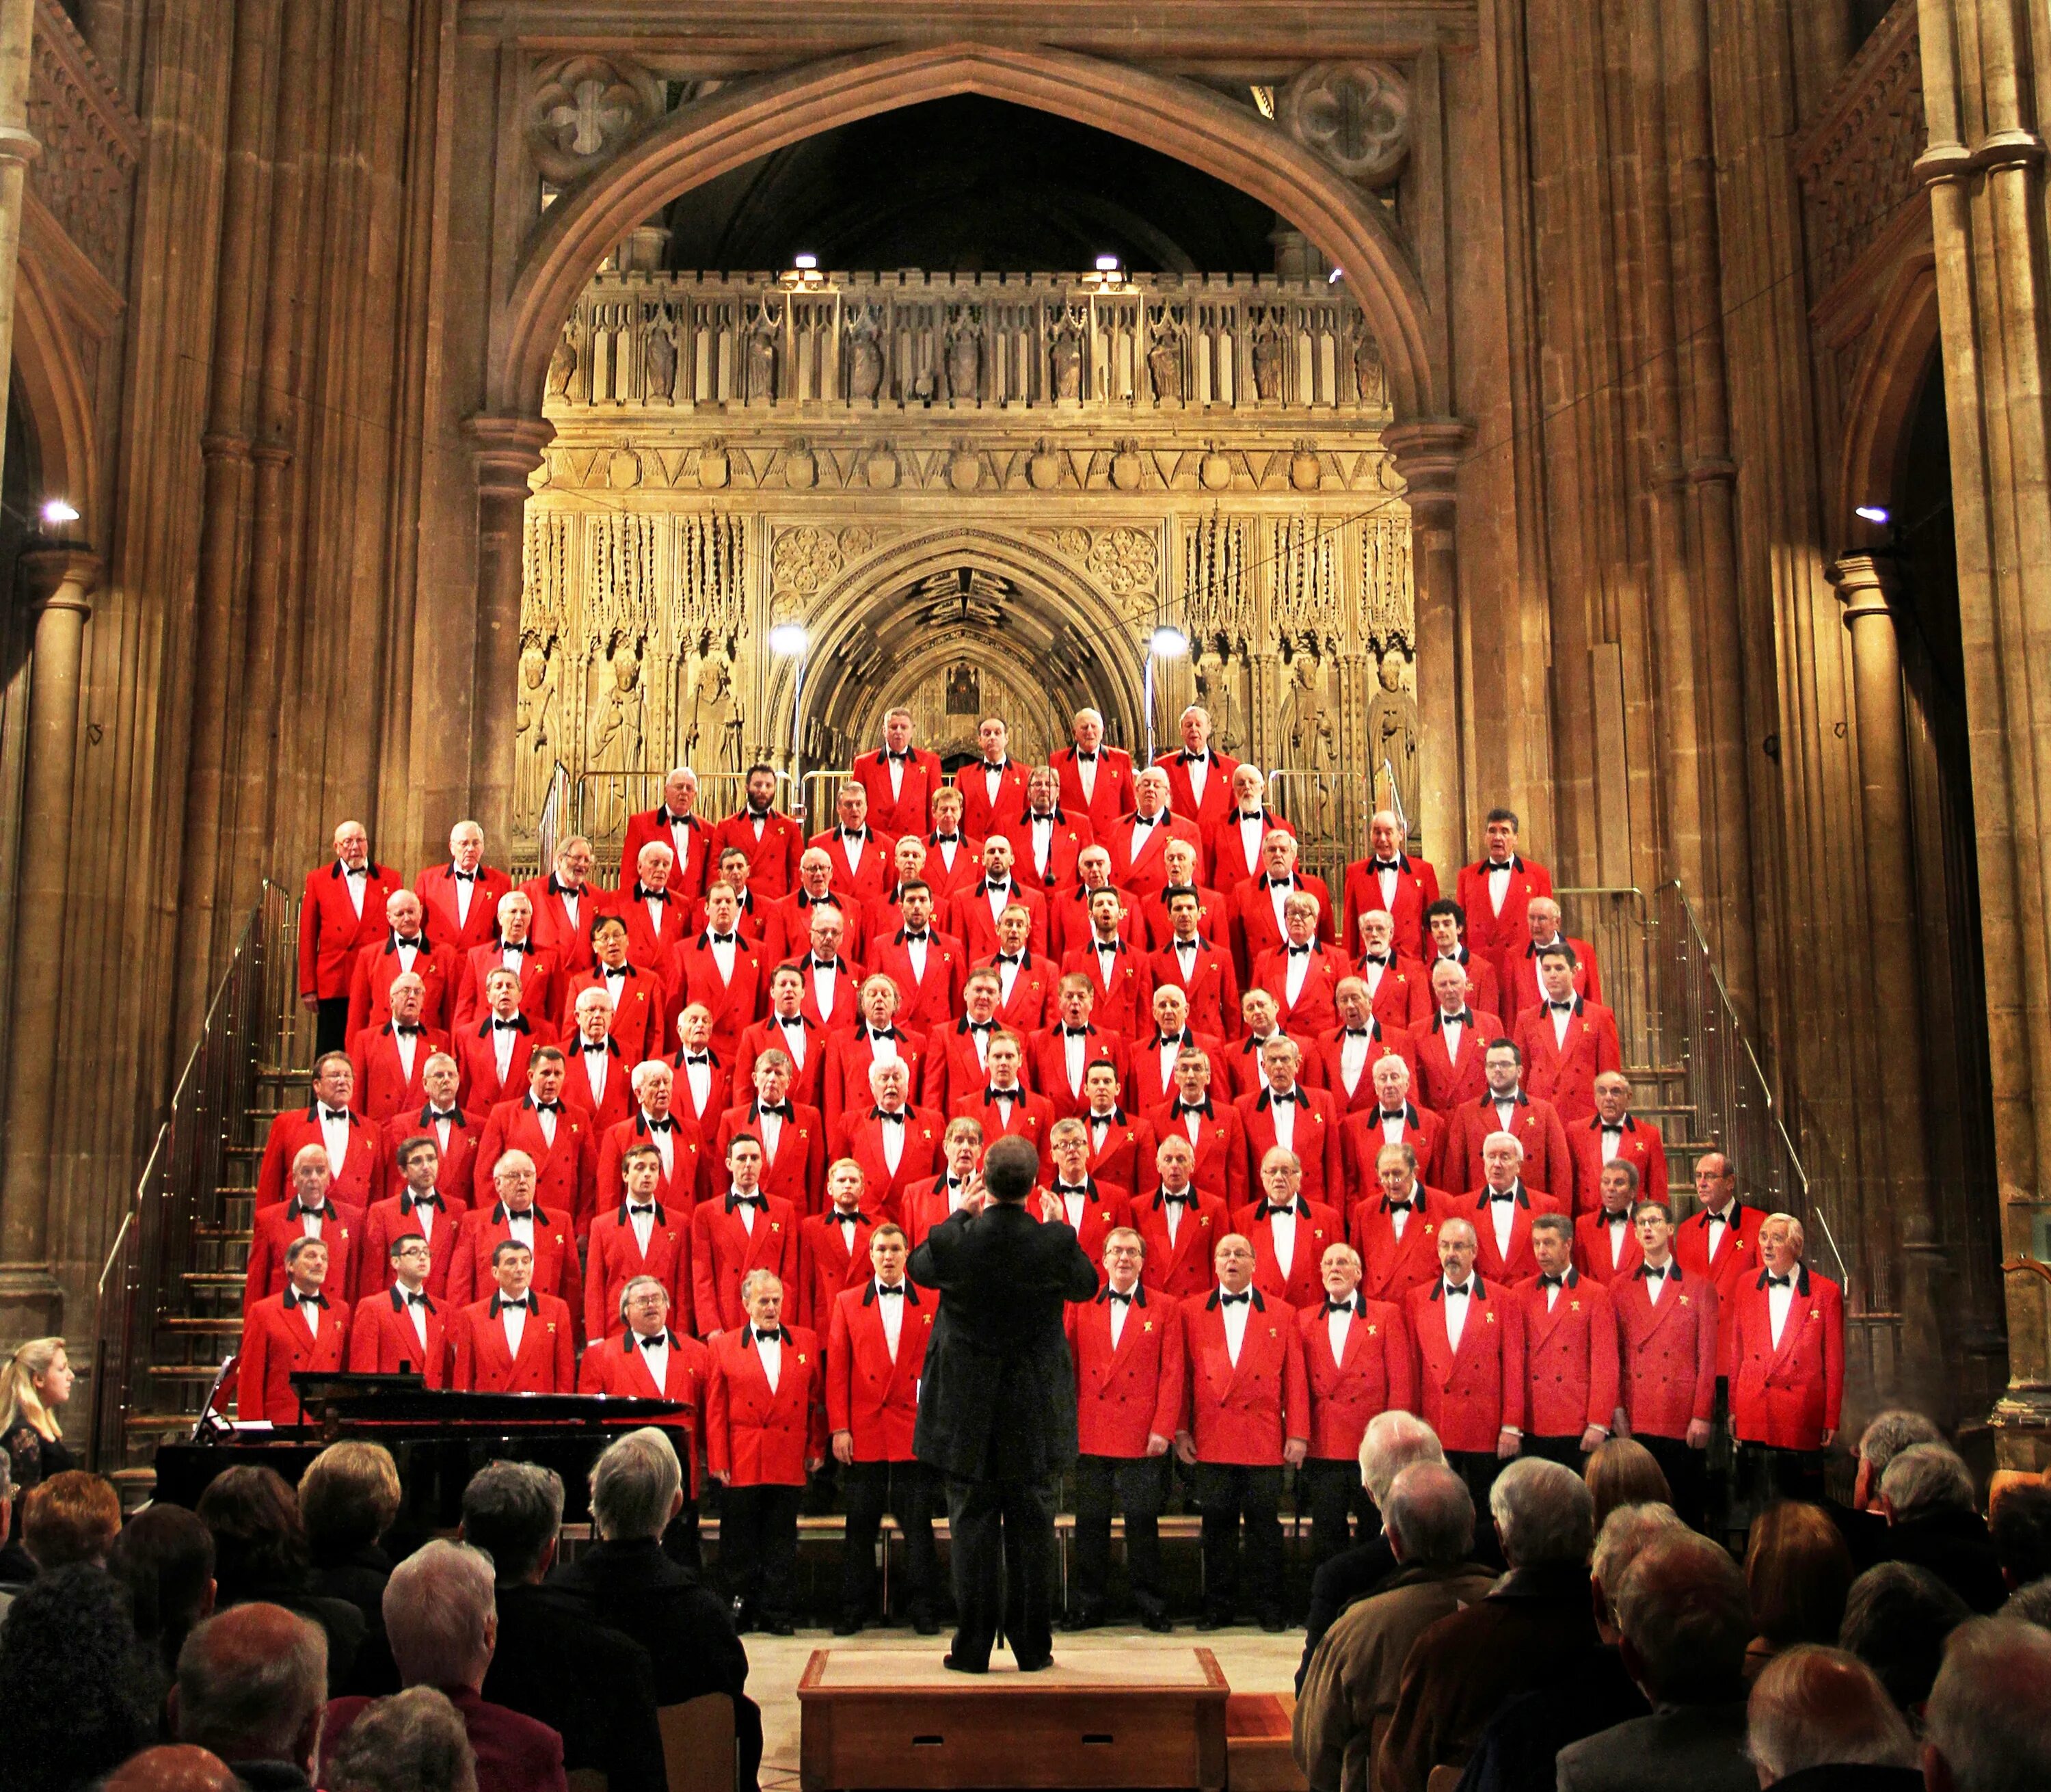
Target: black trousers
<point>1767,1474</point>
<point>1686,1471</point>
<point>1229,1494</point>
<point>1478,1469</point>
<point>1329,1488</point>
<point>1566,1452</point>
<point>1138,1483</point>
<point>758,1549</point>
<point>905,1491</point>
<point>330,1025</point>
<point>1001,1544</point>
<point>680,1536</point>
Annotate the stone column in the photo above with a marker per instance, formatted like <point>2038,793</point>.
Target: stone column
<point>17,150</point>
<point>1867,584</point>
<point>61,582</point>
<point>507,449</point>
<point>1428,454</point>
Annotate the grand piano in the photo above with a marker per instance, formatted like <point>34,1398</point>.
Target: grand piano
<point>440,1437</point>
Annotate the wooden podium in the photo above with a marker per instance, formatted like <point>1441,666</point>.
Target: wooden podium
<point>1117,1715</point>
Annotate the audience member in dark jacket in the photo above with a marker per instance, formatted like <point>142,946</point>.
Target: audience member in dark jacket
<point>1933,1522</point>
<point>1820,1720</point>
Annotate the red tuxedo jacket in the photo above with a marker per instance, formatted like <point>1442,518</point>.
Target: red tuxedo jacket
<point>1467,1395</point>
<point>773,843</point>
<point>690,839</point>
<point>733,1002</point>
<point>1548,1163</point>
<point>1031,1116</point>
<point>1414,888</point>
<point>618,1368</point>
<point>275,1346</point>
<point>1181,1266</point>
<point>1236,1068</point>
<point>438,967</point>
<point>870,1395</point>
<point>983,814</point>
<point>1521,989</point>
<point>382,1341</point>
<point>723,1251</point>
<point>1570,1363</point>
<point>858,1135</point>
<point>704,1114</point>
<point>810,1078</point>
<point>481,1088</point>
<point>1245,1412</point>
<point>1024,1011</point>
<point>1123,1005</point>
<point>1566,1075</point>
<point>1230,865</point>
<point>973,922</point>
<point>1375,1374</point>
<point>357,1181</point>
<point>557,1271</point>
<point>954,1069</point>
<point>1217,798</point>
<point>1667,1354</point>
<point>849,1058</point>
<point>606,1111</point>
<point>862,868</point>
<point>829,1265</point>
<point>1495,934</point>
<point>1145,872</point>
<point>568,937</point>
<point>1149,1081</point>
<point>1256,929</point>
<point>272,1233</point>
<point>1787,1395</point>
<point>1127,1392</point>
<point>1069,922</point>
<point>1363,1135</point>
<point>923,1205</point>
<point>1517,1262</point>
<point>1398,991</point>
<point>616,1258</point>
<point>1316,1140</point>
<point>1107,1206</point>
<point>949,879</point>
<point>1315,1010</point>
<point>566,1173</point>
<point>541,974</point>
<point>1484,987</point>
<point>1126,1157</point>
<point>1220,1145</point>
<point>649,939</point>
<point>682,1186</point>
<point>1212,986</point>
<point>909,808</point>
<point>928,1002</point>
<point>439,895</point>
<point>639,1016</point>
<point>1391,1266</point>
<point>787,922</point>
<point>1066,837</point>
<point>396,1215</point>
<point>1736,1258</point>
<point>796,1171</point>
<point>332,932</point>
<point>755,1436</point>
<point>1443,1081</point>
<point>1638,1144</point>
<point>1327,1070</point>
<point>1593,1251</point>
<point>1319,1227</point>
<point>384,1087</point>
<point>1047,1065</point>
<point>547,1362</point>
<point>1110,794</point>
<point>842,1014</point>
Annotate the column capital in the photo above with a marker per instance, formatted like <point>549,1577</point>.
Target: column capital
<point>507,450</point>
<point>1866,584</point>
<point>18,145</point>
<point>62,576</point>
<point>1428,453</point>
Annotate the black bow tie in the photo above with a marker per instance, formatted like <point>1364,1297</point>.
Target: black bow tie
<point>1276,1097</point>
<point>946,839</point>
<point>468,876</point>
<point>1082,758</point>
<point>722,938</point>
<point>1187,1198</point>
<point>1649,1274</point>
<point>1451,1291</point>
<point>1182,1108</point>
<point>896,1288</point>
<point>653,1340</point>
<point>780,1108</point>
<point>419,1300</point>
<point>661,1126</point>
<point>505,1306</point>
<point>980,1026</point>
<point>1065,1189</point>
<point>790,1021</point>
<point>635,1207</point>
<point>548,1107</point>
<point>1011,958</point>
<point>734,1201</point>
<point>300,1210</point>
<point>996,886</point>
<point>1561,1007</point>
<point>416,943</point>
<point>1553,1281</point>
<point>414,1202</point>
<point>1374,957</point>
<point>336,1114</point>
<point>498,1026</point>
<point>1332,1306</point>
<point>855,834</point>
<point>1386,1114</point>
<point>1243,1298</point>
<point>1299,952</point>
<point>595,1044</point>
<point>825,964</point>
<point>1359,1032</point>
<point>911,939</point>
<point>1269,1211</point>
<point>774,1335</point>
<point>356,870</point>
<point>1388,1206</point>
<point>441,1116</point>
<point>609,971</point>
<point>885,1113</point>
<point>1779,1281</point>
<point>651,896</point>
<point>1612,1127</point>
<point>404,1029</point>
<point>1387,865</point>
<point>1188,758</point>
<point>1493,1196</point>
<point>294,1297</point>
<point>1462,1019</point>
<point>899,759</point>
<point>1074,1032</point>
<point>698,1057</point>
<point>1124,1300</point>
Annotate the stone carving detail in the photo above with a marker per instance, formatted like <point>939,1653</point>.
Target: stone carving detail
<point>583,108</point>
<point>1309,738</point>
<point>90,141</point>
<point>804,560</point>
<point>1370,377</point>
<point>1355,115</point>
<point>1386,612</point>
<point>1392,736</point>
<point>1221,683</point>
<point>1305,552</point>
<point>661,359</point>
<point>1125,562</point>
<point>1858,164</point>
<point>964,354</point>
<point>1215,600</point>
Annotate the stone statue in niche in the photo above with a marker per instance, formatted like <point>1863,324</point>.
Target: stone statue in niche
<point>1368,371</point>
<point>1164,362</point>
<point>661,362</point>
<point>1268,364</point>
<point>562,364</point>
<point>1066,356</point>
<point>712,706</point>
<point>1215,692</point>
<point>537,721</point>
<point>616,739</point>
<point>864,366</point>
<point>964,362</point>
<point>1392,740</point>
<point>762,361</point>
<point>1313,748</point>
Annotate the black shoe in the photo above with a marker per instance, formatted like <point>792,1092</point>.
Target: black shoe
<point>1158,1622</point>
<point>1036,1664</point>
<point>954,1665</point>
<point>1271,1622</point>
<point>924,1624</point>
<point>1214,1620</point>
<point>847,1627</point>
<point>778,1627</point>
<point>1084,1618</point>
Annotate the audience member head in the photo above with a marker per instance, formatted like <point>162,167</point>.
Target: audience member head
<point>1621,1471</point>
<point>1797,1572</point>
<point>1393,1441</point>
<point>1429,1516</point>
<point>1897,1618</point>
<point>1989,1726</point>
<point>441,1615</point>
<point>175,1766</point>
<point>80,1692</point>
<point>72,1517</point>
<point>35,1383</point>
<point>1683,1622</point>
<point>253,1686</point>
<point>165,1556</point>
<point>2032,1604</point>
<point>1814,1707</point>
<point>514,1511</point>
<point>2021,1522</point>
<point>1544,1514</point>
<point>1010,1167</point>
<point>412,1741</point>
<point>259,1542</point>
<point>1925,1478</point>
<point>1624,1532</point>
<point>637,1487</point>
<point>1884,1438</point>
<point>348,1497</point>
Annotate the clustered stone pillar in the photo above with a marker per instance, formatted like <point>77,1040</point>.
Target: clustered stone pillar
<point>61,582</point>
<point>508,450</point>
<point>17,150</point>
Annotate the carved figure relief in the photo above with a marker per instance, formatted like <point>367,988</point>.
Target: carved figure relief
<point>1267,361</point>
<point>865,365</point>
<point>562,364</point>
<point>762,358</point>
<point>1370,377</point>
<point>1066,356</point>
<point>1392,739</point>
<point>661,352</point>
<point>537,719</point>
<point>1164,363</point>
<point>964,359</point>
<point>714,709</point>
<point>617,733</point>
<point>1217,683</point>
<point>1311,732</point>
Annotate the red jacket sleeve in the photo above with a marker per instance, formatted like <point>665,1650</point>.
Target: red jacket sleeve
<point>1168,1398</point>
<point>1296,1386</point>
<point>1513,1402</point>
<point>250,1369</point>
<point>462,1369</point>
<point>462,1277</point>
<point>310,913</point>
<point>1400,1362</point>
<point>1602,1371</point>
<point>705,1285</point>
<point>839,1372</point>
<point>1706,1360</point>
<point>566,1344</point>
<point>718,1458</point>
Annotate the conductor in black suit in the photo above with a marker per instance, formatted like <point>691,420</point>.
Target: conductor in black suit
<point>997,1406</point>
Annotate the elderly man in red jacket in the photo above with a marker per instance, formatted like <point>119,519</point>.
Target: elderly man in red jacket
<point>1358,1363</point>
<point>515,1341</point>
<point>1666,1323</point>
<point>1569,1350</point>
<point>1786,1358</point>
<point>1468,1335</point>
<point>341,912</point>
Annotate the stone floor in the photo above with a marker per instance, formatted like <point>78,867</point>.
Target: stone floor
<point>1252,1661</point>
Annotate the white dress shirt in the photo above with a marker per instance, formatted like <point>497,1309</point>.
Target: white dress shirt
<point>1655,1281</point>
<point>641,1216</point>
<point>1337,1325</point>
<point>1121,1311</point>
<point>772,1359</point>
<point>334,1137</point>
<point>656,1353</point>
<point>355,882</point>
<point>1779,1300</point>
<point>699,1076</point>
<point>521,1226</point>
<point>1281,1228</point>
<point>1498,886</point>
<point>1503,1216</point>
<point>1236,1313</point>
<point>1456,1309</point>
<point>514,1320</point>
<point>894,1140</point>
<point>416,1313</point>
<point>892,1312</point>
<point>822,989</point>
<point>310,1312</point>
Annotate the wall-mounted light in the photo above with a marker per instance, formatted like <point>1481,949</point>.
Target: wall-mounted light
<point>1108,276</point>
<point>1877,514</point>
<point>804,275</point>
<point>58,511</point>
<point>1336,275</point>
<point>789,639</point>
<point>1168,643</point>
